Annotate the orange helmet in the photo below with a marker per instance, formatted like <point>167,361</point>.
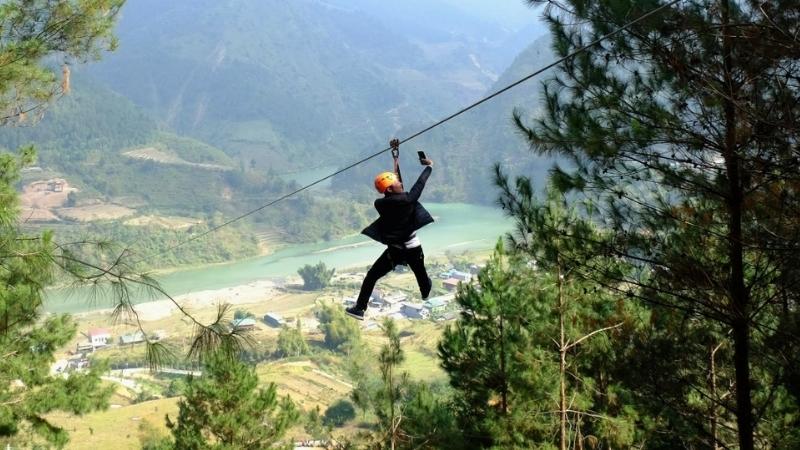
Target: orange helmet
<point>384,180</point>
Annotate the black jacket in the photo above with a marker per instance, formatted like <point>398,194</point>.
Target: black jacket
<point>400,214</point>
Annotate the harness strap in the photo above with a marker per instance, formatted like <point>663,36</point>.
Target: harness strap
<point>395,145</point>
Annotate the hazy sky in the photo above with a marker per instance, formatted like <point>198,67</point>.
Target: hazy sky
<point>511,13</point>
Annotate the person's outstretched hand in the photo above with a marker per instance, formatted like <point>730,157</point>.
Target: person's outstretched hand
<point>427,162</point>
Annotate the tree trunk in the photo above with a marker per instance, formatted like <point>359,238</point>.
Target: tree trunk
<point>562,372</point>
<point>712,385</point>
<point>504,387</point>
<point>392,429</point>
<point>738,294</point>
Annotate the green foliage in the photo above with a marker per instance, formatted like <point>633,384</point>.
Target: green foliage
<point>29,340</point>
<point>176,387</point>
<point>317,277</point>
<point>339,413</point>
<point>42,31</point>
<point>410,415</point>
<point>149,242</point>
<point>225,409</point>
<point>592,332</point>
<point>680,140</point>
<point>314,426</point>
<point>291,341</point>
<point>36,33</point>
<point>151,438</point>
<point>91,120</point>
<point>341,332</point>
<point>499,375</point>
<point>240,314</point>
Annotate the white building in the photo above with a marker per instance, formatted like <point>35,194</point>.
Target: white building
<point>99,337</point>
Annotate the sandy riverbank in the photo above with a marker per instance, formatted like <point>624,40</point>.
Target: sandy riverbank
<point>254,292</point>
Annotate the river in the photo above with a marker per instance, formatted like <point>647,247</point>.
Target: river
<point>458,228</point>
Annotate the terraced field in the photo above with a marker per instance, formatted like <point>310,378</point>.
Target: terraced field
<point>163,157</point>
<point>307,384</point>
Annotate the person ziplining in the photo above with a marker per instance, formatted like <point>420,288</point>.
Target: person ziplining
<point>400,216</point>
<point>395,144</point>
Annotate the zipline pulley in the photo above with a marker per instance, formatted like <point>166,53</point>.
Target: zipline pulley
<point>394,144</point>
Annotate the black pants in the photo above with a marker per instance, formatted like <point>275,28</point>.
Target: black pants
<point>391,257</point>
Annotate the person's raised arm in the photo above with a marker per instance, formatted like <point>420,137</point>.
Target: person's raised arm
<point>416,190</point>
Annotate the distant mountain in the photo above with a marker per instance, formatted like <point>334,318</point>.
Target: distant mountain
<point>494,33</point>
<point>466,148</point>
<point>288,83</point>
<point>234,92</point>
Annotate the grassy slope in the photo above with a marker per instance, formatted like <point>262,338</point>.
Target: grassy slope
<point>309,385</point>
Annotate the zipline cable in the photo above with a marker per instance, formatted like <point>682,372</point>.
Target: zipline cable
<point>423,131</point>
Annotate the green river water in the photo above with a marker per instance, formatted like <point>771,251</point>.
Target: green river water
<point>458,228</point>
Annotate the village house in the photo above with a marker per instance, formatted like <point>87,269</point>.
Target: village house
<point>461,276</point>
<point>84,347</point>
<point>99,337</point>
<point>273,319</point>
<point>451,284</point>
<point>376,301</point>
<point>388,300</point>
<point>414,310</point>
<point>435,305</point>
<point>395,299</point>
<point>457,274</point>
<point>245,323</point>
<point>131,338</point>
<point>55,185</point>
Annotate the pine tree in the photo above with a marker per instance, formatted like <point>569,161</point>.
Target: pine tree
<point>682,130</point>
<point>35,35</point>
<point>499,377</point>
<point>291,341</point>
<point>225,409</point>
<point>411,415</point>
<point>552,234</point>
<point>341,333</point>
<point>39,33</point>
<point>316,277</point>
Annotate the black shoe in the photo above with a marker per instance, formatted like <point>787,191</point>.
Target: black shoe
<point>355,313</point>
<point>426,291</point>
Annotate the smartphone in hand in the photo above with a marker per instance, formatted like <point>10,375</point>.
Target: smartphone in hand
<point>422,156</point>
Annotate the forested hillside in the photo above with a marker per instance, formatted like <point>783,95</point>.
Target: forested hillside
<point>118,157</point>
<point>210,110</point>
<point>286,84</point>
<point>466,148</point>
